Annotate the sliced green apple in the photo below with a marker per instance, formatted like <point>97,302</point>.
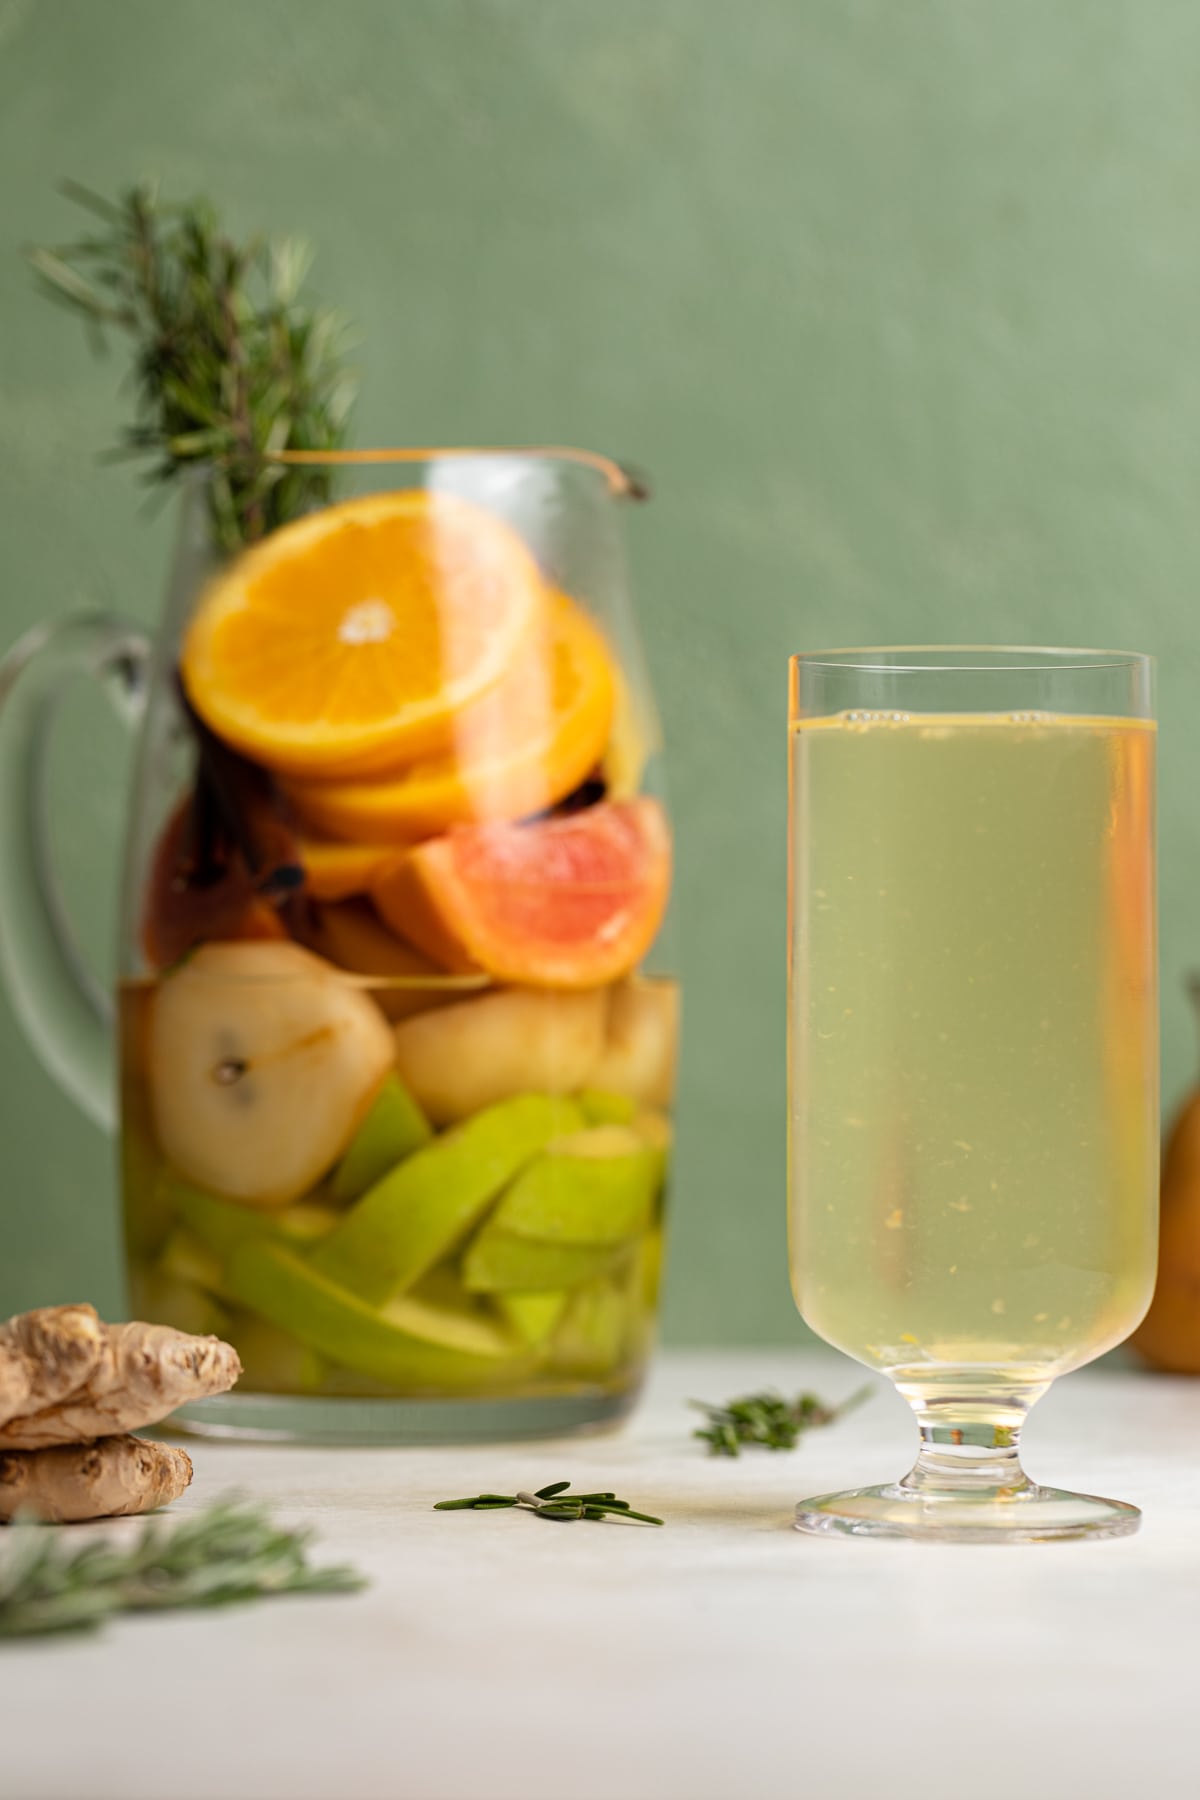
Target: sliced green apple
<point>222,1224</point>
<point>595,1186</point>
<point>532,1316</point>
<point>413,1344</point>
<point>601,1107</point>
<point>392,1130</point>
<point>413,1217</point>
<point>594,1334</point>
<point>648,1265</point>
<point>498,1262</point>
<point>655,1130</point>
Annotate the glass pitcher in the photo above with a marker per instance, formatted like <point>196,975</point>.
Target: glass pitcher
<point>396,1036</point>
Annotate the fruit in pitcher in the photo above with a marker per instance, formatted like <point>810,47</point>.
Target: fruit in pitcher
<point>641,1042</point>
<point>262,1060</point>
<point>534,1316</point>
<point>334,870</point>
<point>221,1225</point>
<point>595,1186</point>
<point>392,1130</point>
<point>351,934</point>
<point>654,1130</point>
<point>413,1217</point>
<point>461,1058</point>
<point>496,1261</point>
<point>349,640</point>
<point>411,1342</point>
<point>600,1106</point>
<point>569,902</point>
<point>595,1330</point>
<point>519,750</point>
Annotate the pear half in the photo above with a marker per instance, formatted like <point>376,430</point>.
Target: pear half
<point>641,1043</point>
<point>496,1045</point>
<point>592,1187</point>
<point>263,1060</point>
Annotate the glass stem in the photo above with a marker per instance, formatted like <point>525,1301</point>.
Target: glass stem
<point>970,1445</point>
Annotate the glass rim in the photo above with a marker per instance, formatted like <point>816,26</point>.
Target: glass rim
<point>874,659</point>
<point>623,480</point>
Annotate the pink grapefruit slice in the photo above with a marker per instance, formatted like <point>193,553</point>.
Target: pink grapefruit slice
<point>570,902</point>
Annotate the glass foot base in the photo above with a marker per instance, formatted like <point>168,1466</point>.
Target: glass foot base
<point>1025,1514</point>
<point>296,1419</point>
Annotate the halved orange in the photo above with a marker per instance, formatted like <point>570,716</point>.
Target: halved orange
<point>520,749</point>
<point>347,641</point>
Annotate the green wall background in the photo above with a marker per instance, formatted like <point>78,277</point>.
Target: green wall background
<point>900,305</point>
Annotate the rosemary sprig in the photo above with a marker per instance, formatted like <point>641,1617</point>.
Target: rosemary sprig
<point>551,1502</point>
<point>767,1419</point>
<point>231,365</point>
<point>229,1552</point>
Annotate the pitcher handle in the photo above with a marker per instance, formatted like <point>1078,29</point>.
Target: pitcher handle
<point>63,1008</point>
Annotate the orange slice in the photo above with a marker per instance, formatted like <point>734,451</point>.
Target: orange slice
<point>349,640</point>
<point>334,870</point>
<point>517,751</point>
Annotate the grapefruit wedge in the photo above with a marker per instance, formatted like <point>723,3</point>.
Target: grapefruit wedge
<point>571,902</point>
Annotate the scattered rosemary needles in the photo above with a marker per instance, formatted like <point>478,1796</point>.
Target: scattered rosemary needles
<point>767,1419</point>
<point>551,1502</point>
<point>228,1553</point>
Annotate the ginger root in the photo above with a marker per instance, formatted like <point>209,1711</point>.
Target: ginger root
<point>109,1479</point>
<point>81,1379</point>
<point>45,1356</point>
<point>72,1389</point>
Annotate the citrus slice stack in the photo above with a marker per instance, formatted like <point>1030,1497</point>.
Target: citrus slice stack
<point>521,748</point>
<point>349,641</point>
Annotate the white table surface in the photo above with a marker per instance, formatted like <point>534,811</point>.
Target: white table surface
<point>723,1658</point>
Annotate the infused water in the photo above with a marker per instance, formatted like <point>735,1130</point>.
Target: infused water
<point>974,1126</point>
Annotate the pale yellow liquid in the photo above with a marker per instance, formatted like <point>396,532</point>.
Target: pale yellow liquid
<point>974,1109</point>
